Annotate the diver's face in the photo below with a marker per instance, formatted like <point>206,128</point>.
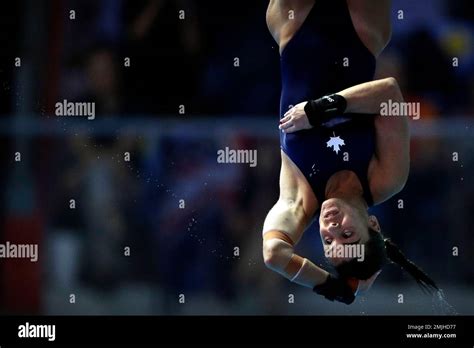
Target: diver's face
<point>341,224</point>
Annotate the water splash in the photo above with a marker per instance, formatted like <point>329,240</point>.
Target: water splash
<point>441,305</point>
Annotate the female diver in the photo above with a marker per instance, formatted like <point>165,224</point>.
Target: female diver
<point>339,156</point>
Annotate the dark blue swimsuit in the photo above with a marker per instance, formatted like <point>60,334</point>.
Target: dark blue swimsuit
<point>326,56</point>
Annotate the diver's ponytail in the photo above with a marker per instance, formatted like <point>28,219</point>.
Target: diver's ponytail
<point>395,255</point>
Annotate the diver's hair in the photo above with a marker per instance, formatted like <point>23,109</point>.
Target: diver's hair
<point>380,251</point>
<point>395,255</point>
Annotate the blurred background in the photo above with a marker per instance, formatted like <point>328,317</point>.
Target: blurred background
<point>172,221</point>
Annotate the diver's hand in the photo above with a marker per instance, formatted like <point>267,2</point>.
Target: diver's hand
<point>344,290</point>
<point>338,289</point>
<point>295,119</point>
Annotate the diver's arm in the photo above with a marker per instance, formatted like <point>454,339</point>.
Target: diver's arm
<point>369,97</point>
<point>389,171</point>
<point>391,163</point>
<point>365,98</point>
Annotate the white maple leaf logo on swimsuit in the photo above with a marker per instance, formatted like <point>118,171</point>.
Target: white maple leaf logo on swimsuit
<point>335,143</point>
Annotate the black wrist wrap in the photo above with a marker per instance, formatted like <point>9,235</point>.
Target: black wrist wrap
<point>321,110</point>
